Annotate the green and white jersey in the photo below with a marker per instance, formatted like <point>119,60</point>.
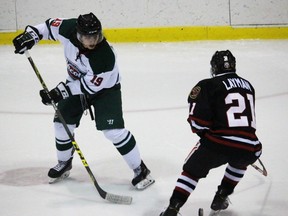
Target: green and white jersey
<point>89,71</point>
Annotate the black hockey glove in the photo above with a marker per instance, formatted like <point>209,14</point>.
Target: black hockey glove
<point>26,40</point>
<point>60,92</point>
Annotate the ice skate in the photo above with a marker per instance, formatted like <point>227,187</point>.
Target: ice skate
<point>220,202</point>
<point>142,178</point>
<point>169,212</point>
<point>60,171</point>
<point>214,213</point>
<point>172,209</point>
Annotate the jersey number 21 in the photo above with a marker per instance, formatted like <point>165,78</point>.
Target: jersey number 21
<point>242,120</point>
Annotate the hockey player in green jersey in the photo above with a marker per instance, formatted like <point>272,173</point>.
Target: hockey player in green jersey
<point>93,79</point>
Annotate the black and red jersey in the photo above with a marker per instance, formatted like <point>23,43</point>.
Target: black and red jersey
<point>222,112</point>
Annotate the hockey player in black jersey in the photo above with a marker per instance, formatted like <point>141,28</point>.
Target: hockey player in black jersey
<point>93,80</point>
<point>222,114</point>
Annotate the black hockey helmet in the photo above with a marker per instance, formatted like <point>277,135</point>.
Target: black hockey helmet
<point>222,62</point>
<point>89,31</point>
<point>88,24</point>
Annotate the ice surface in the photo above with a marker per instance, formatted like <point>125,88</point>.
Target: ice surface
<point>156,79</point>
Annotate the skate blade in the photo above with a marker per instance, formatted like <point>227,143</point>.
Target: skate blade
<point>63,176</point>
<point>214,213</point>
<point>145,183</point>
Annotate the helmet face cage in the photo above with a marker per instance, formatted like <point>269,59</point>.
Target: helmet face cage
<point>222,62</point>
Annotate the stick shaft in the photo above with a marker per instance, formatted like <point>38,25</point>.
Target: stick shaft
<point>261,170</point>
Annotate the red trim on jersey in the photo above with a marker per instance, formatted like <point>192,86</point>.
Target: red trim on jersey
<point>232,144</point>
<point>234,132</point>
<point>202,122</point>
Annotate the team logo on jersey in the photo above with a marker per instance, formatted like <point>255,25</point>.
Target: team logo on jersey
<point>73,70</point>
<point>194,92</point>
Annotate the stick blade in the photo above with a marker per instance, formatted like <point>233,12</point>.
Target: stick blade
<point>127,200</point>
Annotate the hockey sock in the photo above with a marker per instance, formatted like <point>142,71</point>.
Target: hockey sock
<point>231,178</point>
<point>63,143</point>
<point>125,143</point>
<point>185,185</point>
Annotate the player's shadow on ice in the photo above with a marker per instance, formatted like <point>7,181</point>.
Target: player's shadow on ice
<point>31,176</point>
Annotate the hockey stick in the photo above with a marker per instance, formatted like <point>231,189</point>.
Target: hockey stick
<point>107,196</point>
<point>262,170</point>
